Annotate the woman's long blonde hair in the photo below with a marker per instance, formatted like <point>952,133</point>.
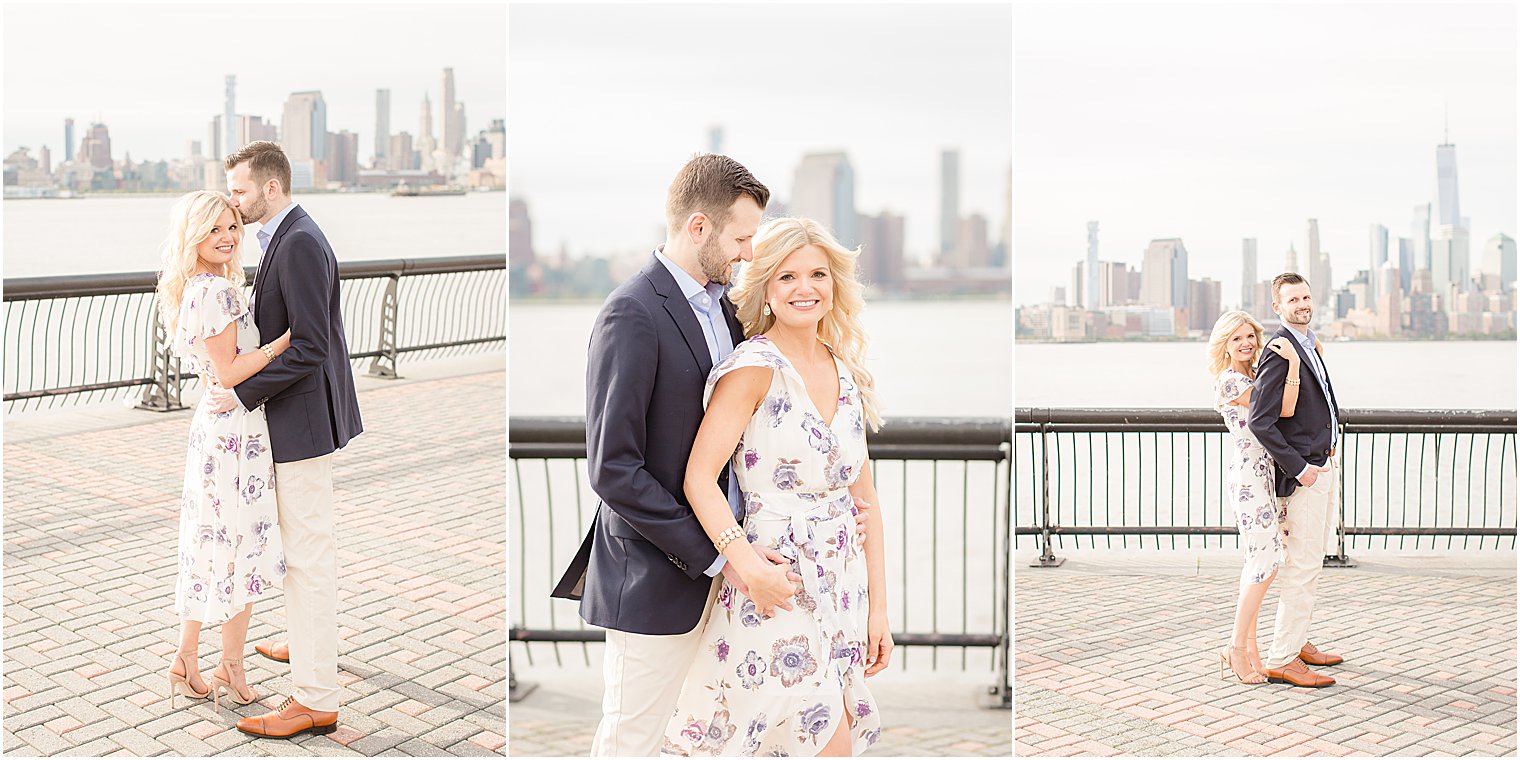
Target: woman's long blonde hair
<point>1219,354</point>
<point>840,326</point>
<point>190,222</point>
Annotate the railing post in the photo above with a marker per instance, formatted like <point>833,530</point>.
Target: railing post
<point>384,365</point>
<point>516,693</point>
<point>1339,558</point>
<point>1048,556</point>
<point>163,395</point>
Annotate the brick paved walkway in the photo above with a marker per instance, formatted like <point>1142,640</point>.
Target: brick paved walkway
<point>1118,655</point>
<point>925,713</point>
<point>89,569</point>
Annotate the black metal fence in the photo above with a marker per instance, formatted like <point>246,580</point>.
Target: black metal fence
<point>944,486</point>
<point>1125,478</point>
<point>86,338</point>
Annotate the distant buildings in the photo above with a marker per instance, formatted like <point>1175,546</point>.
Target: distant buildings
<point>382,129</point>
<point>823,189</point>
<point>303,129</point>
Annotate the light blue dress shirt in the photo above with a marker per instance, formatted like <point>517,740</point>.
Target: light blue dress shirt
<point>1306,339</point>
<point>267,230</point>
<point>706,305</point>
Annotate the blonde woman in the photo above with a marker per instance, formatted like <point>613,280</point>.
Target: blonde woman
<point>781,669</point>
<point>229,535</point>
<point>1233,352</point>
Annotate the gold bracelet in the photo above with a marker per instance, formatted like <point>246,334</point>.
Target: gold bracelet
<point>727,537</point>
<point>268,352</point>
<point>1291,382</point>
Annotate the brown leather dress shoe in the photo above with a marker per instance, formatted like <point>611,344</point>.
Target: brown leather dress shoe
<point>278,651</point>
<point>291,720</point>
<point>1295,673</point>
<point>1312,656</point>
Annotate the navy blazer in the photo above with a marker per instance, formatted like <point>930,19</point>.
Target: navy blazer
<point>641,566</point>
<point>308,391</point>
<point>1304,438</point>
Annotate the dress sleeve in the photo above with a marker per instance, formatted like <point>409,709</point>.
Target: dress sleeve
<point>755,352</point>
<point>208,307</point>
<point>1230,387</point>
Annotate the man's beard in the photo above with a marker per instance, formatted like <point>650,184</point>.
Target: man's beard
<point>247,212</point>
<point>715,266</point>
<point>1292,318</point>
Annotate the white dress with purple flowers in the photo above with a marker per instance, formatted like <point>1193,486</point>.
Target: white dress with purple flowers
<point>1249,489</point>
<point>783,685</point>
<point>229,532</point>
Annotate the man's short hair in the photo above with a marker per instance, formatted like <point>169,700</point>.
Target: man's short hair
<point>265,161</point>
<point>710,183</point>
<point>1286,278</point>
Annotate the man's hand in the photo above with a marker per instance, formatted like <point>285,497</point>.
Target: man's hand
<point>732,576</point>
<point>861,507</point>
<point>219,400</point>
<point>776,583</point>
<point>1311,474</point>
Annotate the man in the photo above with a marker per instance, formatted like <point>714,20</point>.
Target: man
<point>646,569</point>
<point>1307,475</point>
<point>308,395</point>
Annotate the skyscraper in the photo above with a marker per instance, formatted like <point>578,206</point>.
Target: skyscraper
<point>949,201</point>
<point>229,116</point>
<point>1448,210</point>
<point>303,130</point>
<point>1090,292</point>
<point>1378,255</point>
<point>1420,236</point>
<point>1163,276</point>
<point>1291,264</point>
<point>1406,264</point>
<point>881,254</point>
<point>1319,264</point>
<point>95,149</point>
<point>382,127</point>
<point>1499,260</point>
<point>425,143</point>
<point>451,133</point>
<point>715,139</point>
<point>1248,275</point>
<point>519,234</point>
<point>824,189</point>
<point>68,139</point>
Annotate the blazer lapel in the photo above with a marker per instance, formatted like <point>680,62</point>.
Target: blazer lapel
<point>680,312</point>
<point>266,263</point>
<point>731,317</point>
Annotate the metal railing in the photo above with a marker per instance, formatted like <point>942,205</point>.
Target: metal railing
<point>86,338</point>
<point>948,556</point>
<point>1113,477</point>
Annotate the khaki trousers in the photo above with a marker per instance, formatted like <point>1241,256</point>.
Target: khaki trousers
<point>642,677</point>
<point>304,493</point>
<point>1309,525</point>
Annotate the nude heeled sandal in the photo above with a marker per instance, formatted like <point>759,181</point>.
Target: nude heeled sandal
<point>218,683</point>
<point>176,680</point>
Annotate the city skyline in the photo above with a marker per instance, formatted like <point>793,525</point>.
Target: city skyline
<point>126,91</point>
<point>610,120</point>
<point>1299,114</point>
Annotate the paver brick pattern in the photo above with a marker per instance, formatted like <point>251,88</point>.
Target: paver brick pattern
<point>91,525</point>
<point>1116,660</point>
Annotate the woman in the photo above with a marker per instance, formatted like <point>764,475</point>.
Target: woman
<point>1248,482</point>
<point>790,406</point>
<point>229,533</point>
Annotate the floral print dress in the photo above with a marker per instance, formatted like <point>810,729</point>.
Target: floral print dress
<point>781,686</point>
<point>229,532</point>
<point>1249,489</point>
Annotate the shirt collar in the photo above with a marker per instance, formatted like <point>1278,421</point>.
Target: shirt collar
<point>268,229</point>
<point>1305,338</point>
<point>690,288</point>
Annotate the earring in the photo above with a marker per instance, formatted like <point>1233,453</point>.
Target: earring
<point>766,310</point>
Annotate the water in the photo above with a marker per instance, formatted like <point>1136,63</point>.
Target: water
<point>1367,375</point>
<point>946,358</point>
<point>98,234</point>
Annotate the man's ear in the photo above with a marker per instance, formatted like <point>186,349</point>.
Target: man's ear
<point>696,224</point>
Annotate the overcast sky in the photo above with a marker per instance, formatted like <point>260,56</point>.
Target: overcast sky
<point>154,73</point>
<point>607,103</point>
<point>1214,123</point>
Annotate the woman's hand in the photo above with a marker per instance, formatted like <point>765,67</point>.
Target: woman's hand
<point>771,586</point>
<point>878,643</point>
<point>278,345</point>
<point>1281,347</point>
